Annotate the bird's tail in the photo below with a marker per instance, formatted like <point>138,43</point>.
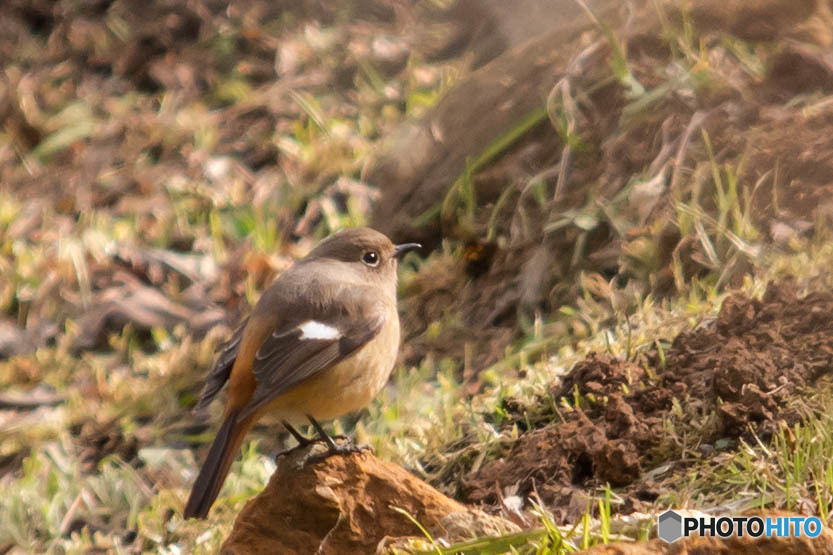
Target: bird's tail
<point>216,466</point>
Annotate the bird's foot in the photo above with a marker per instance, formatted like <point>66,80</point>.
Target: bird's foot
<point>346,447</point>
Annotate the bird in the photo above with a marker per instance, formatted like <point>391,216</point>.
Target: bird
<point>320,342</point>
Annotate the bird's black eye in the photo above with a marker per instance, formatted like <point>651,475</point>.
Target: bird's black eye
<point>370,258</point>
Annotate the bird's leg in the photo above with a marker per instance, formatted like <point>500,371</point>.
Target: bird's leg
<point>332,447</point>
<point>302,440</point>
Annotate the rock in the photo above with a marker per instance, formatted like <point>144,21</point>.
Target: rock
<point>345,504</point>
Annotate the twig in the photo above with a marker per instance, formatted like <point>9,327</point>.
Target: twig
<point>31,402</point>
<point>66,522</point>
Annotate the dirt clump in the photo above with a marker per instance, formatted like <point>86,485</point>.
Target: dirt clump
<point>96,441</point>
<point>753,358</point>
<point>736,373</point>
<point>344,504</point>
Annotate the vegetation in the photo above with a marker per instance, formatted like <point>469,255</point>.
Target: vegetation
<point>150,188</point>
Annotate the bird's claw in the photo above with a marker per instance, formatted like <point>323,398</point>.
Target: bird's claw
<point>346,447</point>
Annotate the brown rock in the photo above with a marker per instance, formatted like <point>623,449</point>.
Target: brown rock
<point>345,504</point>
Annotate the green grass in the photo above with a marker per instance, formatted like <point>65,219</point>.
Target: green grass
<point>546,537</point>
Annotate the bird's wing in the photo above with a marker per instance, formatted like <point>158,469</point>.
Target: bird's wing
<point>314,342</point>
<point>222,367</point>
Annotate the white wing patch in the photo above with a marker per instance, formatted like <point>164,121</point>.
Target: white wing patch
<point>316,330</point>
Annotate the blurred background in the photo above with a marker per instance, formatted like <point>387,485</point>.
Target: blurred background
<point>586,177</point>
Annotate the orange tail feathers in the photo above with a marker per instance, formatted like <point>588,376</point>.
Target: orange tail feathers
<point>214,470</point>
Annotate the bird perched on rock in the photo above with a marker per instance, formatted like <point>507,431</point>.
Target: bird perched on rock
<point>321,342</point>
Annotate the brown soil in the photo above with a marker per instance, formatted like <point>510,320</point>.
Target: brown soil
<point>739,371</point>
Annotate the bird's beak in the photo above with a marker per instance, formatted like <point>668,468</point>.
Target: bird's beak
<point>399,250</point>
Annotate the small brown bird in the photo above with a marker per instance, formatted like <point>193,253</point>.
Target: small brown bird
<point>321,342</point>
